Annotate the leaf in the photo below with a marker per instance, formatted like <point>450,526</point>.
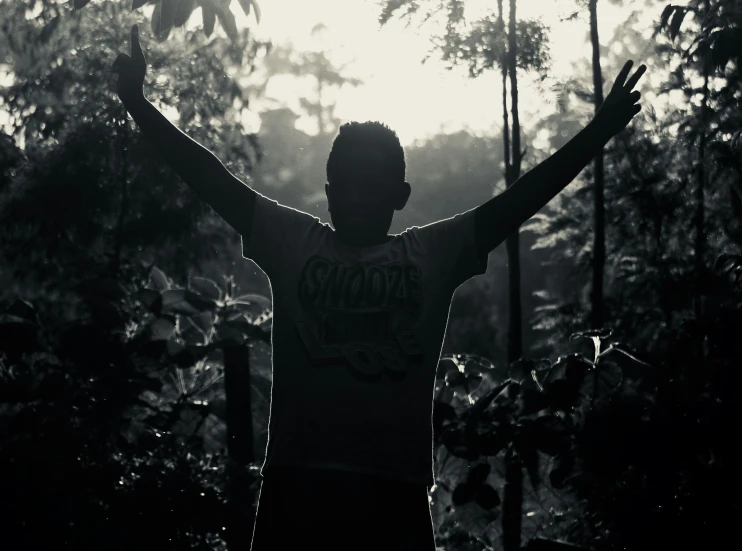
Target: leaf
<point>162,18</point>
<point>80,4</point>
<point>677,21</point>
<point>183,13</point>
<point>136,4</point>
<point>161,329</point>
<point>226,18</point>
<point>551,436</point>
<point>723,49</point>
<point>174,301</point>
<point>226,334</point>
<point>560,471</point>
<point>48,29</point>
<point>245,5</point>
<point>209,17</point>
<point>205,287</point>
<point>251,299</point>
<point>159,279</point>
<point>257,9</point>
<point>203,322</point>
<point>151,299</point>
<point>666,13</point>
<point>604,379</point>
<point>23,309</point>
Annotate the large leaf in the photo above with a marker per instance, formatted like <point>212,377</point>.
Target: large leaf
<point>159,279</point>
<point>183,13</point>
<point>163,17</point>
<point>676,22</point>
<point>23,309</point>
<point>251,299</point>
<point>182,301</point>
<point>205,287</point>
<point>209,16</point>
<point>257,9</point>
<point>603,380</point>
<point>162,329</point>
<point>152,300</point>
<point>226,18</point>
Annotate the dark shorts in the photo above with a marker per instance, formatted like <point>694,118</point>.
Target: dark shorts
<point>333,510</point>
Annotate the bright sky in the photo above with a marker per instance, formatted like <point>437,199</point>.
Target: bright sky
<point>414,99</point>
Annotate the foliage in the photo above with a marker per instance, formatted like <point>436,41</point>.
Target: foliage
<point>96,439</point>
<point>478,44</point>
<point>90,192</point>
<point>169,14</point>
<point>483,417</point>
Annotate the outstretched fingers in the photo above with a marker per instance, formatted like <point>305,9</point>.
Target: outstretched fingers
<point>136,48</point>
<point>623,73</point>
<point>636,76</point>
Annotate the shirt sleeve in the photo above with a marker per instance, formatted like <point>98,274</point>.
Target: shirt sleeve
<point>451,248</point>
<point>276,235</point>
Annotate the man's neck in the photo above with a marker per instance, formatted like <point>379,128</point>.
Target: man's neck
<point>364,241</point>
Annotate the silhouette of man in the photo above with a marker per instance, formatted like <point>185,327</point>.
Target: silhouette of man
<point>359,318</point>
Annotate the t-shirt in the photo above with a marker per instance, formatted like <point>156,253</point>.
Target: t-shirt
<point>356,339</point>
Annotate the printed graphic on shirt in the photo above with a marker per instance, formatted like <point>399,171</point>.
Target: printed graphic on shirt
<point>361,315</point>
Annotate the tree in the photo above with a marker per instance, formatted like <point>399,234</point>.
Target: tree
<point>169,14</point>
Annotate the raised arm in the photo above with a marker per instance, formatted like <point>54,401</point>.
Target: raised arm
<point>496,219</point>
<point>197,166</point>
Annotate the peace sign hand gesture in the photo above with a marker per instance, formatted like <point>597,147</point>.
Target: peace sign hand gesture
<point>131,70</point>
<point>620,106</point>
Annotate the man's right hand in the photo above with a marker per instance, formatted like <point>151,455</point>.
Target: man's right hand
<point>131,70</point>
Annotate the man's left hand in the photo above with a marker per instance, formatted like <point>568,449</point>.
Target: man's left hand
<point>620,106</point>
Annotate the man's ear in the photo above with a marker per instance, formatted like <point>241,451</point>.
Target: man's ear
<point>404,195</point>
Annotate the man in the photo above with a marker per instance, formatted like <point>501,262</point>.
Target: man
<point>359,318</point>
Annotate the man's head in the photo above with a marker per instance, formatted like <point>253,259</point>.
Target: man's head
<point>365,180</point>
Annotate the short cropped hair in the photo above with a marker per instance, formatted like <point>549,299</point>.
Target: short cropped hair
<point>371,135</point>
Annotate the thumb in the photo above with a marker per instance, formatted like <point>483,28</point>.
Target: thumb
<point>121,60</point>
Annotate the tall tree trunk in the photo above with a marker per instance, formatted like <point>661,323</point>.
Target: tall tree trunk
<point>596,296</point>
<point>512,506</point>
<point>122,141</point>
<point>515,344</point>
<point>700,189</point>
<point>239,447</point>
<point>512,502</point>
<point>505,119</point>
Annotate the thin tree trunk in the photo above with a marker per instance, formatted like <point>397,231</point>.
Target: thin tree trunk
<point>512,506</point>
<point>512,502</point>
<point>700,189</point>
<point>597,303</point>
<point>239,447</point>
<point>122,140</point>
<point>515,344</point>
